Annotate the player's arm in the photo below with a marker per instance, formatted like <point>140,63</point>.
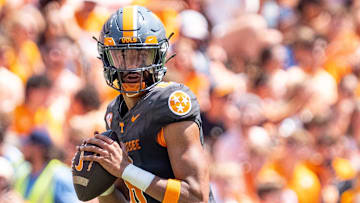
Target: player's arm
<point>189,164</point>
<point>188,160</point>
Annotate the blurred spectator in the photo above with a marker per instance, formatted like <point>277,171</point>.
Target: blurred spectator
<point>313,14</point>
<point>298,176</point>
<point>184,71</point>
<point>7,194</point>
<point>251,32</point>
<point>213,118</point>
<point>22,28</point>
<point>89,16</point>
<point>55,27</point>
<point>224,11</point>
<point>48,179</point>
<point>61,57</point>
<point>85,100</point>
<point>244,141</point>
<point>194,26</point>
<point>272,61</point>
<point>271,12</point>
<point>33,111</point>
<point>10,95</point>
<point>271,190</point>
<point>228,183</point>
<point>342,111</point>
<point>310,54</point>
<point>167,11</point>
<point>7,148</point>
<point>82,119</point>
<point>343,43</point>
<point>245,112</point>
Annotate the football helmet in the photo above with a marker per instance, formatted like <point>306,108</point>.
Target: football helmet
<point>133,47</point>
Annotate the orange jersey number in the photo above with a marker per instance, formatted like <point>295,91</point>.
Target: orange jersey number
<point>136,195</point>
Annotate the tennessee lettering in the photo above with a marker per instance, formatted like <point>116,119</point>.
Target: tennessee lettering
<point>132,145</point>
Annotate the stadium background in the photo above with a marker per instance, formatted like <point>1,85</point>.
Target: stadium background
<point>277,82</point>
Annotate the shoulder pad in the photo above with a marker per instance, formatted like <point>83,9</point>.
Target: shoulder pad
<point>173,102</point>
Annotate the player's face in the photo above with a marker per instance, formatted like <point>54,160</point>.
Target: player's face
<point>127,59</point>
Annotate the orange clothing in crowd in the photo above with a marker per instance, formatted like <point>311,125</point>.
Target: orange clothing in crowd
<point>343,169</point>
<point>26,62</point>
<point>352,195</point>
<point>305,184</point>
<point>197,83</point>
<point>167,15</point>
<point>25,120</point>
<point>2,2</point>
<point>93,22</point>
<point>303,181</point>
<point>338,54</point>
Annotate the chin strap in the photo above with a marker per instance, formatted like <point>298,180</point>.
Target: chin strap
<point>132,87</point>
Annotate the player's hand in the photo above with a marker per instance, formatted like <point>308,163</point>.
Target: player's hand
<point>108,154</point>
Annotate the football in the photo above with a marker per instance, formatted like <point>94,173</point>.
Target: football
<point>90,179</point>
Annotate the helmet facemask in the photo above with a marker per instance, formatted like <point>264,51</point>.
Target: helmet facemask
<point>133,68</point>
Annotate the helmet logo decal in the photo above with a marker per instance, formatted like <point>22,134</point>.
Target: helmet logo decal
<point>151,40</point>
<point>128,40</point>
<point>130,17</point>
<point>179,103</point>
<point>109,41</point>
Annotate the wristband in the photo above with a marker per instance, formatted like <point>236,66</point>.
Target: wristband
<point>137,177</point>
<point>108,191</point>
<point>172,193</point>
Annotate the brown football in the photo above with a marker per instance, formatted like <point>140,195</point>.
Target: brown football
<point>90,179</point>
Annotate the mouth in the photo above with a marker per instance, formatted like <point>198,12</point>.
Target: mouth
<point>132,78</point>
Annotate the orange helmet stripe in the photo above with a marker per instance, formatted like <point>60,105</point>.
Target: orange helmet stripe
<point>129,21</point>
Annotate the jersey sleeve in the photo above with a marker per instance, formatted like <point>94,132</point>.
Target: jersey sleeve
<point>175,103</point>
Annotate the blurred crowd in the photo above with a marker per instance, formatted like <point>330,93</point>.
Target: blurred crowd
<point>278,82</point>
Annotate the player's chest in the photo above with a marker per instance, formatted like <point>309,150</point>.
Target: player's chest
<point>133,129</point>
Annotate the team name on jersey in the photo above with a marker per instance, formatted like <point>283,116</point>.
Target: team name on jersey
<point>132,145</point>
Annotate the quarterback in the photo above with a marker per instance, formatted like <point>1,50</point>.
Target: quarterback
<point>160,157</point>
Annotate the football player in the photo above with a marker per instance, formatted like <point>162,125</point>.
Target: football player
<point>161,158</point>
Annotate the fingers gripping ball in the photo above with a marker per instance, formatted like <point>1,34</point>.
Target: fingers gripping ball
<point>90,179</point>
